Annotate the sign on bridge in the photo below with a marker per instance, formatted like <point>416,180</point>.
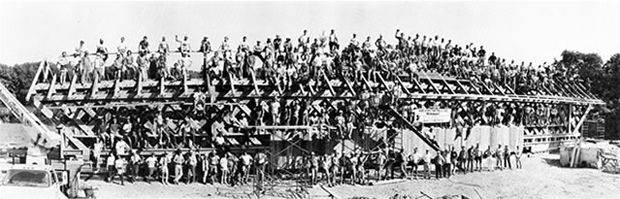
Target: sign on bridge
<point>433,115</point>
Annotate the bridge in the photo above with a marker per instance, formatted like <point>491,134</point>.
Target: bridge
<point>207,98</point>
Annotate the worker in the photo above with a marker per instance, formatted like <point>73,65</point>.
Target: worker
<point>135,161</point>
<point>190,167</point>
<point>184,46</point>
<point>313,167</point>
<point>204,167</point>
<point>427,165</point>
<point>143,46</point>
<point>518,154</point>
<point>214,161</point>
<point>163,163</point>
<point>224,169</point>
<point>151,165</point>
<point>119,164</point>
<point>246,163</point>
<point>178,160</point>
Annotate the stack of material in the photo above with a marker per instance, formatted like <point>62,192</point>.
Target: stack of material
<point>600,155</point>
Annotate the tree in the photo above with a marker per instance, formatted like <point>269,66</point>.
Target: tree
<point>18,78</point>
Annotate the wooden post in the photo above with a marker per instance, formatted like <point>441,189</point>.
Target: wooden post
<point>185,88</point>
<point>232,84</point>
<point>72,85</point>
<point>139,84</point>
<point>329,85</point>
<point>95,86</point>
<point>570,118</point>
<point>117,87</point>
<point>583,119</point>
<point>162,85</point>
<point>254,82</point>
<point>62,141</point>
<point>32,89</point>
<point>52,88</point>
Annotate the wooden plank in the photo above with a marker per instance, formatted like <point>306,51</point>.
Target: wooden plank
<point>52,88</point>
<point>89,111</point>
<point>419,85</point>
<point>162,85</point>
<point>458,84</point>
<point>366,83</point>
<point>72,86</point>
<point>484,85</point>
<point>139,84</point>
<point>402,85</point>
<point>254,83</point>
<point>329,85</point>
<point>232,84</point>
<point>431,83</point>
<point>116,88</point>
<point>281,127</point>
<point>184,82</point>
<point>583,119</point>
<point>32,89</point>
<point>95,86</point>
<point>447,85</point>
<point>497,88</point>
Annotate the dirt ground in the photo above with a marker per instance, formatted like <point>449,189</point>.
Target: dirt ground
<point>541,177</point>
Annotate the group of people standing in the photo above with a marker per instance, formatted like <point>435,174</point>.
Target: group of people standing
<point>360,167</point>
<point>187,167</point>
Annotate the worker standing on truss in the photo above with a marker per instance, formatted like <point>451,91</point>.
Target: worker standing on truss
<point>184,46</point>
<point>122,49</point>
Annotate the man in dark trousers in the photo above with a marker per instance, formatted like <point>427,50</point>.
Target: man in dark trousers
<point>135,161</point>
<point>439,161</point>
<point>399,160</point>
<point>470,159</point>
<point>462,159</point>
<point>506,154</point>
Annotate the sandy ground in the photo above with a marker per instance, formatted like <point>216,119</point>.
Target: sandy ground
<point>541,177</point>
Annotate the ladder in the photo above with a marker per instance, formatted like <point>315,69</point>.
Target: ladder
<point>410,126</point>
<point>42,137</point>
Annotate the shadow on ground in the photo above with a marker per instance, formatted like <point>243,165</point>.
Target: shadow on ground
<point>552,162</point>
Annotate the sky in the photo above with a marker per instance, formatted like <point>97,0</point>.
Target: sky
<point>523,31</point>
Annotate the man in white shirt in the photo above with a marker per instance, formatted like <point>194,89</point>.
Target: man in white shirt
<point>244,44</point>
<point>427,164</point>
<point>225,46</point>
<point>99,69</point>
<point>333,41</point>
<point>184,46</point>
<point>122,47</point>
<point>151,164</point>
<point>121,147</point>
<point>186,63</point>
<point>246,163</point>
<point>304,39</point>
<point>415,158</point>
<point>79,51</point>
<point>163,48</point>
<point>65,65</point>
<point>354,41</point>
